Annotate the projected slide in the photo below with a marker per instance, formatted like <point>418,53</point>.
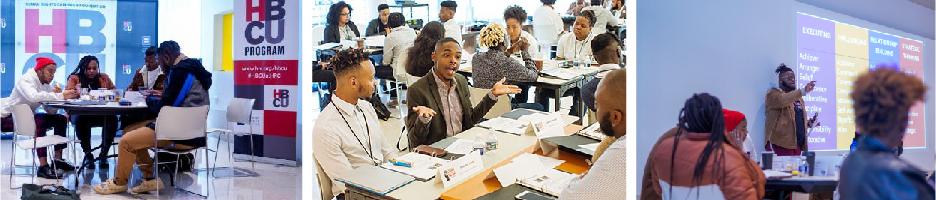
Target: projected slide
<point>834,54</point>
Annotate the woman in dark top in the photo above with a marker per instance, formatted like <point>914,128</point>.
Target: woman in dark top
<point>87,75</point>
<point>339,23</point>
<point>419,57</point>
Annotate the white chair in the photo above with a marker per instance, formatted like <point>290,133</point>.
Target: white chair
<point>502,106</point>
<point>325,183</point>
<point>24,122</point>
<point>180,123</point>
<point>239,112</point>
<point>710,191</point>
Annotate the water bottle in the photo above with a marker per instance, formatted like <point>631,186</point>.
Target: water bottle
<point>803,166</point>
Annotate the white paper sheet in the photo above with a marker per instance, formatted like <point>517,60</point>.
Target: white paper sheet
<point>461,146</point>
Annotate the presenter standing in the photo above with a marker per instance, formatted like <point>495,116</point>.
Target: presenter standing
<point>787,124</point>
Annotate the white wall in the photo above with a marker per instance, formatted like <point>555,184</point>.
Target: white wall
<point>729,48</point>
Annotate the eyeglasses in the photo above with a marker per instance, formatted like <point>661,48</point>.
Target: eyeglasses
<point>345,14</point>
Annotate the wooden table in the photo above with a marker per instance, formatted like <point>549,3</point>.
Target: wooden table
<point>509,146</point>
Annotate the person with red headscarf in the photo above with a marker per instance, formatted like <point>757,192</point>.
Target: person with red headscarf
<point>31,89</point>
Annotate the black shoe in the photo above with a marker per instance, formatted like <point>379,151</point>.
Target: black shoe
<point>61,164</point>
<point>46,172</point>
<point>88,160</point>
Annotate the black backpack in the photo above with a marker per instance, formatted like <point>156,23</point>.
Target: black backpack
<point>186,162</point>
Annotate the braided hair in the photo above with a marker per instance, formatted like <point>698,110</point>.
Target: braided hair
<point>84,80</point>
<point>702,113</point>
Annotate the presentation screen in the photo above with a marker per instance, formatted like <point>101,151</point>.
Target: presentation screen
<point>833,54</point>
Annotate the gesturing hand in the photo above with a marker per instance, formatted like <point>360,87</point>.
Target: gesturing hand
<point>424,112</point>
<point>501,89</point>
<point>810,86</point>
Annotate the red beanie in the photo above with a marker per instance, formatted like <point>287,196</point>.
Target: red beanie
<point>42,62</point>
<point>732,119</point>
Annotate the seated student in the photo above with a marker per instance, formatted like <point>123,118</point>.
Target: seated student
<point>87,76</point>
<point>418,61</point>
<point>604,179</point>
<point>607,51</point>
<point>150,76</point>
<point>399,39</point>
<point>379,26</point>
<point>518,39</point>
<point>347,133</point>
<point>134,144</point>
<point>618,10</point>
<point>446,93</point>
<point>699,144</point>
<point>495,64</point>
<point>883,98</point>
<point>453,29</point>
<point>31,89</point>
<point>603,17</point>
<point>339,25</point>
<point>574,45</point>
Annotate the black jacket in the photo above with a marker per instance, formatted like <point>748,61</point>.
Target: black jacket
<point>874,171</point>
<point>375,28</point>
<point>333,35</point>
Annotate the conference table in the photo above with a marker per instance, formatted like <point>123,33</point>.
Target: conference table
<point>484,182</point>
<point>106,109</point>
<point>805,184</point>
<point>558,85</point>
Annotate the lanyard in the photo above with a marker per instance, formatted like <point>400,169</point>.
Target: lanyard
<point>369,152</point>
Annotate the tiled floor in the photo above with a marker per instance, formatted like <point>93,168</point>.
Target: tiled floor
<point>274,182</point>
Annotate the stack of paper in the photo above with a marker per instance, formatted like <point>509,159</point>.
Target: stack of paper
<point>423,167</point>
<point>526,166</point>
<point>461,146</point>
<point>593,132</point>
<point>559,73</point>
<point>506,125</point>
<point>552,182</point>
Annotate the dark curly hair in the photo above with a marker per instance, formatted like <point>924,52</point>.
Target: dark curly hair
<point>782,68</point>
<point>396,20</point>
<point>882,98</point>
<point>548,2</point>
<point>603,41</point>
<point>347,61</point>
<point>590,16</point>
<point>418,57</point>
<point>334,12</point>
<point>515,12</point>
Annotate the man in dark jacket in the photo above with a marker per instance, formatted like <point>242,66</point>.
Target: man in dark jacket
<point>379,26</point>
<point>445,92</point>
<point>882,100</point>
<point>187,86</point>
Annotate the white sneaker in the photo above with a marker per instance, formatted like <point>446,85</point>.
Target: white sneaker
<point>109,187</point>
<point>147,186</point>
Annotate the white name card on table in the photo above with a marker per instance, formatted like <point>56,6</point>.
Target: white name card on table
<point>545,125</point>
<point>458,170</point>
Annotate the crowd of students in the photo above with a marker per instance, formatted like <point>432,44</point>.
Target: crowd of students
<point>163,79</point>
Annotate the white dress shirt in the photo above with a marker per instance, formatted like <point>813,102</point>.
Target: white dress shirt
<point>398,41</point>
<point>28,90</point>
<point>453,30</point>
<point>605,179</point>
<point>547,25</point>
<point>603,18</point>
<point>340,149</point>
<point>572,49</point>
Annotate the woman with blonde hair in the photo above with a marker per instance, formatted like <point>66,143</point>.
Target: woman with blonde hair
<point>495,64</point>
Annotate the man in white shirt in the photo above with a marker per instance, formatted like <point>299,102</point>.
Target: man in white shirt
<point>446,14</point>
<point>547,25</point>
<point>603,17</point>
<point>604,179</point>
<point>607,51</point>
<point>399,39</point>
<point>574,45</point>
<point>32,89</point>
<point>347,134</point>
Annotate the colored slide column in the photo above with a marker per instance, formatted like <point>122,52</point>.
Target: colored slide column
<point>851,59</point>
<point>816,61</point>
<point>911,55</point>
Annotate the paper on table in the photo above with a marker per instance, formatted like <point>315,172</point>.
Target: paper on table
<point>593,132</point>
<point>522,167</point>
<point>461,146</point>
<point>546,162</point>
<point>559,73</point>
<point>591,147</point>
<point>552,181</point>
<point>134,96</point>
<point>505,125</point>
<point>423,167</point>
<point>771,174</point>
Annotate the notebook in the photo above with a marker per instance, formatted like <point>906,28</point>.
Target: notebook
<point>366,177</point>
<point>423,167</point>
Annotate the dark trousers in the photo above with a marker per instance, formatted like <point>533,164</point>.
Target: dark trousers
<point>44,122</point>
<point>83,125</point>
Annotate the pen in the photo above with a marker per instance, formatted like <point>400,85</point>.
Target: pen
<point>402,164</point>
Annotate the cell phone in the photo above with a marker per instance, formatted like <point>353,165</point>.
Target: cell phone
<point>527,195</point>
